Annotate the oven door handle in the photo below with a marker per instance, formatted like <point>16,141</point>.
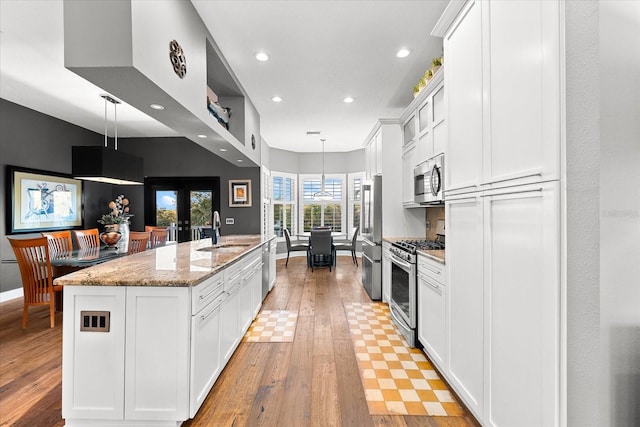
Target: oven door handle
<point>399,321</point>
<point>402,263</point>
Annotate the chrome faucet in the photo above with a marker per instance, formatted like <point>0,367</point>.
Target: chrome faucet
<point>215,232</point>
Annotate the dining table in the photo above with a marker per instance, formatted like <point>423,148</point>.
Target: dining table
<point>65,262</point>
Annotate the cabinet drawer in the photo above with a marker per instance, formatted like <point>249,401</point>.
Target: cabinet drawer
<point>432,269</point>
<point>206,292</point>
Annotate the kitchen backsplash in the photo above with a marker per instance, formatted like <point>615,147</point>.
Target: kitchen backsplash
<point>432,216</point>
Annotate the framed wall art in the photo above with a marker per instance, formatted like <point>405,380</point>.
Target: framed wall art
<point>239,193</point>
<point>40,200</point>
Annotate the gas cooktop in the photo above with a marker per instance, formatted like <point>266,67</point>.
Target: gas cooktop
<point>412,246</point>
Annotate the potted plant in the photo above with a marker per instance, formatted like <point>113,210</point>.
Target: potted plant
<point>118,220</point>
<point>436,63</point>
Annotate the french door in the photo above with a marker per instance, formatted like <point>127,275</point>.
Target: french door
<point>186,203</point>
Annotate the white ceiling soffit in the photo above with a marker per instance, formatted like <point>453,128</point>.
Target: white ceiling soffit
<point>321,52</point>
<point>32,73</point>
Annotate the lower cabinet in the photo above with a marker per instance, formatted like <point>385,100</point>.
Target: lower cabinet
<point>205,353</point>
<point>229,333</point>
<point>502,260</point>
<point>432,302</point>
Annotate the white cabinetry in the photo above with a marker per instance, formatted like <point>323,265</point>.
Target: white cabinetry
<point>157,353</point>
<point>409,162</point>
<point>466,307</point>
<point>521,275</point>
<point>432,309</point>
<point>386,135</point>
<point>386,272</point>
<point>503,106</point>
<point>502,181</point>
<point>463,73</point>
<point>425,132</point>
<point>373,153</point>
<point>205,352</point>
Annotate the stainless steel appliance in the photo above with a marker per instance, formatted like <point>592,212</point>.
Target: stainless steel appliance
<point>428,181</point>
<point>371,226</point>
<point>404,288</point>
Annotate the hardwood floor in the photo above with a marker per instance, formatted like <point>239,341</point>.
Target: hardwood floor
<point>313,381</point>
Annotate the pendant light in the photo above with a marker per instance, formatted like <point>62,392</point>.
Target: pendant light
<point>322,194</point>
<point>103,164</point>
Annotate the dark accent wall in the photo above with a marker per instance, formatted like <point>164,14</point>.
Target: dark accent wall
<point>34,140</point>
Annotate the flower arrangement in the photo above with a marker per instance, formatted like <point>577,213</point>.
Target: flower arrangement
<point>119,211</point>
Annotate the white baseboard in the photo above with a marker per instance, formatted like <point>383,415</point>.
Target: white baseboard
<point>12,294</point>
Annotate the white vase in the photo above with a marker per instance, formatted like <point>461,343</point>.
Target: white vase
<point>123,244</point>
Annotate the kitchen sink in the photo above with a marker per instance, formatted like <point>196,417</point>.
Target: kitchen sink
<point>226,247</point>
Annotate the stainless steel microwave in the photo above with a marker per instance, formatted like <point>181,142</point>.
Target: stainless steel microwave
<point>428,181</point>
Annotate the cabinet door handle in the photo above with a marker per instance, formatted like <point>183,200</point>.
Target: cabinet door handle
<point>513,178</point>
<point>535,190</point>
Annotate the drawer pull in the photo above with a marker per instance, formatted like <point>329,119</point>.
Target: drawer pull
<point>208,293</point>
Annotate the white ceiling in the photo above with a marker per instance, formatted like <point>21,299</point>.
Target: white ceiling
<point>321,52</point>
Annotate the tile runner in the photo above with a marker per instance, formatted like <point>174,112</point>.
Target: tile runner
<point>397,379</point>
<point>272,326</point>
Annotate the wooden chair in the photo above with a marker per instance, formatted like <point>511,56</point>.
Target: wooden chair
<point>159,237</point>
<point>293,247</point>
<point>349,247</point>
<point>59,242</point>
<point>37,277</point>
<point>149,228</point>
<point>138,241</point>
<point>87,238</point>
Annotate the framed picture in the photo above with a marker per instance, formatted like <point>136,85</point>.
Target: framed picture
<point>40,200</point>
<point>239,193</point>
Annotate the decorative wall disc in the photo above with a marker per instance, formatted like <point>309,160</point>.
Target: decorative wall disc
<point>179,62</point>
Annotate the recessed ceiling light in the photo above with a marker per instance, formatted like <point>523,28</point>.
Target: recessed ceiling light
<point>402,53</point>
<point>200,135</point>
<point>157,106</point>
<point>276,99</point>
<point>223,149</point>
<point>239,160</point>
<point>348,100</point>
<point>261,56</point>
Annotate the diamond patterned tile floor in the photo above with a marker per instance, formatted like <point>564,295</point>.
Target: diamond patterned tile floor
<point>397,379</point>
<point>272,326</point>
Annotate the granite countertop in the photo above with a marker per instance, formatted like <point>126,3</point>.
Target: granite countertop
<point>183,264</point>
<point>437,255</point>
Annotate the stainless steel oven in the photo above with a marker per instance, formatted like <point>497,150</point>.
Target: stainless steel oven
<point>404,285</point>
<point>403,302</point>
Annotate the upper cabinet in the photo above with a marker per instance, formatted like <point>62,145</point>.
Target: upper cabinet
<point>178,68</point>
<point>503,94</point>
<point>424,132</point>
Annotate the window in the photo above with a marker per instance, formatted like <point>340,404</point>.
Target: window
<point>284,197</point>
<point>328,213</point>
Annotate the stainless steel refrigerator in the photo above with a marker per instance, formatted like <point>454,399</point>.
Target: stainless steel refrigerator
<point>371,226</point>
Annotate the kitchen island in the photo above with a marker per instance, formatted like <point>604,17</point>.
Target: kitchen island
<point>145,336</point>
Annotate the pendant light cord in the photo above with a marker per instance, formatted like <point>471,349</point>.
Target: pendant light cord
<point>115,103</point>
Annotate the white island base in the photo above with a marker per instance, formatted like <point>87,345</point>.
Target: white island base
<point>165,345</point>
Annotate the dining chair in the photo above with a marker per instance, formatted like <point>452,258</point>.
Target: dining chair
<point>87,238</point>
<point>37,277</point>
<point>293,247</point>
<point>138,241</point>
<point>59,242</point>
<point>320,248</point>
<point>159,237</point>
<point>349,247</point>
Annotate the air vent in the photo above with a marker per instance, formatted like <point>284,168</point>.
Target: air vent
<point>94,321</point>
